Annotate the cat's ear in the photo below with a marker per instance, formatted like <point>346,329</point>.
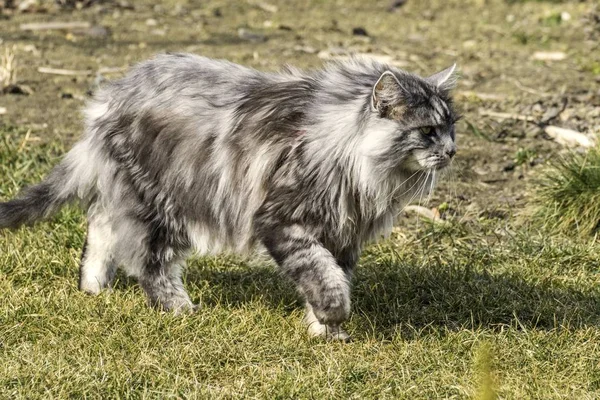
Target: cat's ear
<point>444,80</point>
<point>385,92</point>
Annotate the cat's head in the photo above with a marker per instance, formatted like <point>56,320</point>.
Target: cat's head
<point>412,120</point>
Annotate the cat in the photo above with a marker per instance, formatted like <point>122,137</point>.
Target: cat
<point>187,152</point>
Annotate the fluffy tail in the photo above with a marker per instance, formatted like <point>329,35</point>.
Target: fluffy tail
<point>39,201</point>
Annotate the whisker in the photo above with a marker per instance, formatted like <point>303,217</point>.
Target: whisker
<point>394,192</point>
<point>431,188</point>
<point>423,186</point>
<point>414,194</point>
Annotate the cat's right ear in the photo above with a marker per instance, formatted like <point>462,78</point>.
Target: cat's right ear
<point>386,92</point>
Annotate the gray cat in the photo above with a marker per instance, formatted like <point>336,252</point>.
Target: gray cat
<point>187,153</point>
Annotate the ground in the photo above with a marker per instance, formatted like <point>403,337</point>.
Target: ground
<point>482,304</point>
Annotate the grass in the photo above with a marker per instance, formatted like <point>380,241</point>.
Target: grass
<point>466,310</point>
<point>568,194</point>
<point>478,308</point>
<point>8,67</point>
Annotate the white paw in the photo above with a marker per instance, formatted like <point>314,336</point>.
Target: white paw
<point>329,332</point>
<point>90,286</point>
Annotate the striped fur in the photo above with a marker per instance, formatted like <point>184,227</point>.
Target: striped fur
<point>188,153</point>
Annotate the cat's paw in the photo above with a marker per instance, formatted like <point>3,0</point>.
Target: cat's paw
<point>179,306</point>
<point>185,309</point>
<point>329,332</point>
<point>332,333</point>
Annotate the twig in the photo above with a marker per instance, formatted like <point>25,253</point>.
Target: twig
<point>264,6</point>
<point>44,26</point>
<point>501,115</point>
<point>24,142</point>
<point>58,71</point>
<point>528,89</point>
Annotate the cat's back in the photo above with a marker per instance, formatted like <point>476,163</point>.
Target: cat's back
<point>170,77</point>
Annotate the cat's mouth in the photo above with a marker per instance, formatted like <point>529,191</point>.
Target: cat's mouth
<point>441,164</point>
<point>425,161</point>
<point>435,163</point>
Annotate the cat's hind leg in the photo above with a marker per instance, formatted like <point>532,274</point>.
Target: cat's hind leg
<point>164,287</point>
<point>98,265</point>
<point>145,253</point>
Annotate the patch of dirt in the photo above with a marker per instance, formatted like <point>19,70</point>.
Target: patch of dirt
<point>494,43</point>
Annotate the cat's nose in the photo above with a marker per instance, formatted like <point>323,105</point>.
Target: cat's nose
<point>451,152</point>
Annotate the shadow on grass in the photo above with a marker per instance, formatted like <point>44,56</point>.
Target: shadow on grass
<point>415,298</point>
<point>459,298</point>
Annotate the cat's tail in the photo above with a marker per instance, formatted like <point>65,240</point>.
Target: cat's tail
<point>62,185</point>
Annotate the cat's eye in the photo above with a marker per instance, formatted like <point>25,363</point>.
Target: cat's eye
<point>427,130</point>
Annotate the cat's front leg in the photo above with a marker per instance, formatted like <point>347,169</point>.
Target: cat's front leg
<point>317,275</point>
<point>318,329</point>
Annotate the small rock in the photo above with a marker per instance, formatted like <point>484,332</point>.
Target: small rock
<point>396,4</point>
<point>549,55</point>
<point>125,5</point>
<point>18,89</point>
<point>568,137</point>
<point>509,167</point>
<point>151,22</point>
<point>28,6</point>
<point>467,44</point>
<point>479,171</point>
<point>305,49</point>
<point>415,38</point>
<point>251,36</point>
<point>550,114</point>
<point>30,48</point>
<point>2,110</point>
<point>537,108</point>
<point>536,161</point>
<point>359,31</point>
<point>97,31</point>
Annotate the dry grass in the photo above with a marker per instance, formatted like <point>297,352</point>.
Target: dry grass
<point>8,67</point>
<point>475,308</point>
<point>567,197</point>
<point>463,310</point>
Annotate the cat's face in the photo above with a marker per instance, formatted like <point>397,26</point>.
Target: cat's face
<point>413,124</point>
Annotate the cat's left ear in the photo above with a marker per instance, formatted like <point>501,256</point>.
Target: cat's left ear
<point>386,91</point>
<point>444,80</point>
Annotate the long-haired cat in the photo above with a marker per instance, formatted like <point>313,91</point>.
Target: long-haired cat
<point>187,152</point>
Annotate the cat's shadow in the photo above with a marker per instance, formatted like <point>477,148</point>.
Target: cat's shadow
<point>415,298</point>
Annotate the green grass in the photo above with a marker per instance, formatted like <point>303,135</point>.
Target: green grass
<point>568,194</point>
<point>480,307</point>
<point>466,310</point>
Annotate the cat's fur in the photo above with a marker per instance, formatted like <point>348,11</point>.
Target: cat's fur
<point>187,153</point>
